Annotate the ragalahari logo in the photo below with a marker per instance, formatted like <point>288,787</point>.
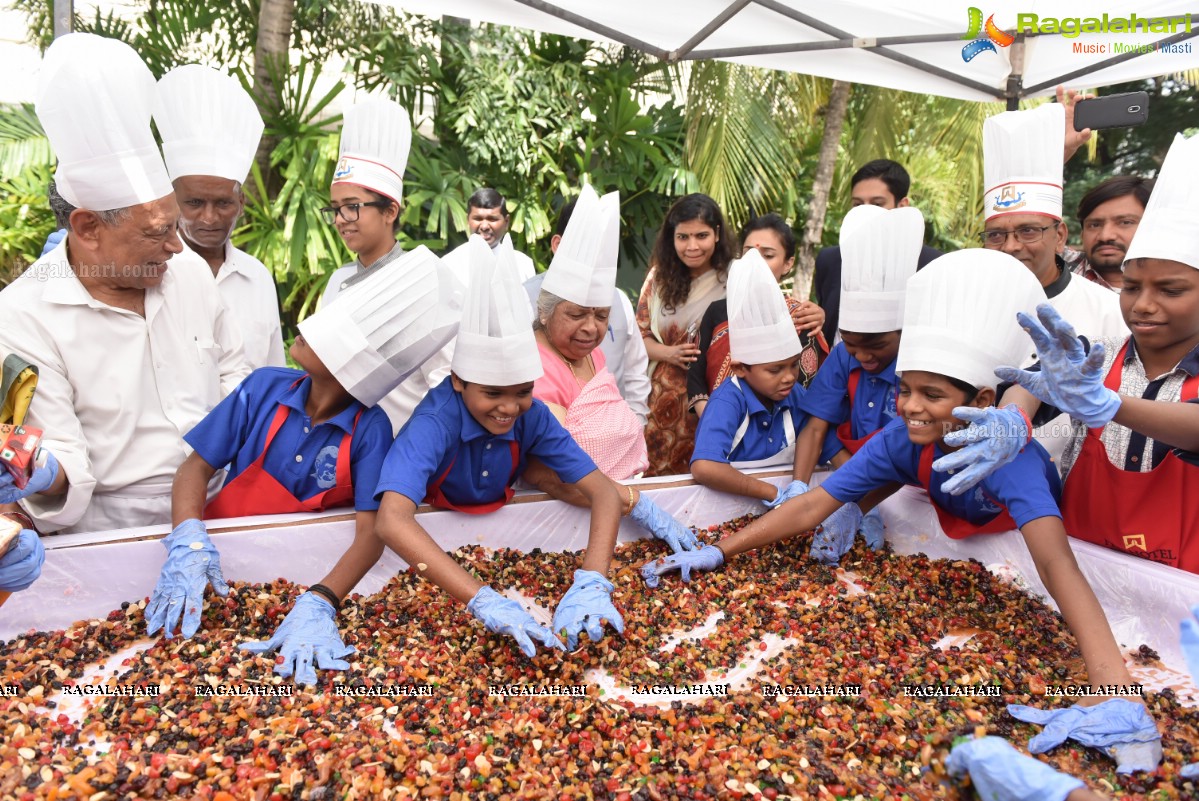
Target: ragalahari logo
<point>984,37</point>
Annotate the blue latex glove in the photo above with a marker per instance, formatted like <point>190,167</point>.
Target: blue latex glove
<point>192,562</point>
<point>1190,651</point>
<point>42,479</point>
<point>993,438</point>
<point>585,606</point>
<point>53,240</point>
<point>307,636</point>
<point>1070,378</point>
<point>834,537</point>
<point>1122,729</point>
<point>1190,641</point>
<point>501,615</point>
<point>652,518</point>
<point>21,566</point>
<point>706,558</point>
<point>999,772</point>
<point>792,490</point>
<point>871,529</point>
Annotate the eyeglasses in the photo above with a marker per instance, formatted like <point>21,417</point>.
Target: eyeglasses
<point>350,211</point>
<point>1026,234</point>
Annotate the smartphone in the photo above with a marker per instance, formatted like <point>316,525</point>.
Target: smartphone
<point>1113,111</point>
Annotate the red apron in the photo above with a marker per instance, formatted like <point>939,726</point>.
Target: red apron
<point>437,499</point>
<point>1153,515</point>
<point>257,492</point>
<point>956,527</point>
<point>845,430</point>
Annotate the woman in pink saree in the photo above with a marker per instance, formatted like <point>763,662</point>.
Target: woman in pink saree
<point>570,322</point>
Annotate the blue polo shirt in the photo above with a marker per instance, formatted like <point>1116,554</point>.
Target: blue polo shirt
<point>828,394</point>
<point>765,436</point>
<point>1028,486</point>
<point>303,457</point>
<point>441,431</point>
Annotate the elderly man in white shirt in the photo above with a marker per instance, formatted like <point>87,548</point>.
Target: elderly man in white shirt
<point>132,348</point>
<point>207,171</point>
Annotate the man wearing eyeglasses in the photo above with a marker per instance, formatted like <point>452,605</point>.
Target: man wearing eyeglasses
<point>1022,206</point>
<point>1022,153</point>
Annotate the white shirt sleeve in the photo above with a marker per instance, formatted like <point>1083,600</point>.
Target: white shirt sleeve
<point>635,378</point>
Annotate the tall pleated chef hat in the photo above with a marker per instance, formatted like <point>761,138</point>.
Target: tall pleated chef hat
<point>959,316</point>
<point>1168,229</point>
<point>94,100</point>
<point>760,327</point>
<point>495,341</point>
<point>880,249</point>
<point>375,140</point>
<point>385,326</point>
<point>1022,162</point>
<point>583,269</point>
<point>209,124</point>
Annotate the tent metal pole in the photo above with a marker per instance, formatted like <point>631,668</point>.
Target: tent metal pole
<point>1109,62</point>
<point>1015,81</point>
<point>832,44</point>
<point>595,27</point>
<point>708,29</point>
<point>64,13</point>
<point>902,58</point>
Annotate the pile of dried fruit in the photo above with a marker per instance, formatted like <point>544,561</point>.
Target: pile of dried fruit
<point>462,743</point>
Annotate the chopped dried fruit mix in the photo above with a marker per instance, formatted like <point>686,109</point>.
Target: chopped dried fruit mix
<point>460,742</point>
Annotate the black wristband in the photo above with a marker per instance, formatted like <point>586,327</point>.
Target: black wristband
<point>329,595</point>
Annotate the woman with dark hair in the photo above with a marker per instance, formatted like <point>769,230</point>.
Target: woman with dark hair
<point>365,200</point>
<point>773,238</point>
<point>689,267</point>
<point>367,188</point>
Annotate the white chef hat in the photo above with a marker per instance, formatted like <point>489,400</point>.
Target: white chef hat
<point>1168,229</point>
<point>495,345</point>
<point>760,327</point>
<point>209,124</point>
<point>960,316</point>
<point>583,269</point>
<point>1022,162</point>
<point>384,327</point>
<point>880,249</point>
<point>94,101</point>
<point>375,140</point>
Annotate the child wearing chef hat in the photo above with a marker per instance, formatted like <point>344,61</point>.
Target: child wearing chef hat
<point>1125,487</point>
<point>751,420</point>
<point>463,448</point>
<point>959,324</point>
<point>310,439</point>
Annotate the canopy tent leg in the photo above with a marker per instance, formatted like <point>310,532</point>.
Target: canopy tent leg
<point>64,14</point>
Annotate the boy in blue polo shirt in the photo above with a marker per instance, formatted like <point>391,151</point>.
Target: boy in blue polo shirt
<point>462,449</point>
<point>751,420</point>
<point>304,440</point>
<point>854,392</point>
<point>939,374</point>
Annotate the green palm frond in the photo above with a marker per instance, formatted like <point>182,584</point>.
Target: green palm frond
<point>23,143</point>
<point>739,144</point>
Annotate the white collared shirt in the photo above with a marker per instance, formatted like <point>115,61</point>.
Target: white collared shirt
<point>117,391</point>
<point>248,289</point>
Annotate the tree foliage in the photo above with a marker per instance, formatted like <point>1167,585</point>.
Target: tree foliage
<point>536,116</point>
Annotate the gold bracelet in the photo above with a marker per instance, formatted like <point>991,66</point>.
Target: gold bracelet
<point>631,502</point>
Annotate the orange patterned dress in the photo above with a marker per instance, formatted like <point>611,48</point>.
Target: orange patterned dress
<point>670,429</point>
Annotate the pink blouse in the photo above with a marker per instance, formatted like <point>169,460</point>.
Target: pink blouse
<point>558,383</point>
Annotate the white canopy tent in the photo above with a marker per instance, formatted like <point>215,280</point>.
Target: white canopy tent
<point>913,46</point>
